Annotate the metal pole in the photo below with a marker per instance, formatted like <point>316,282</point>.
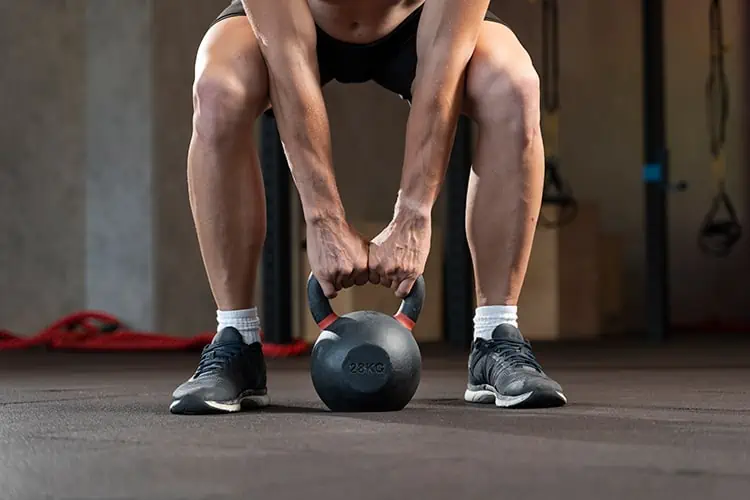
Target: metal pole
<point>458,276</point>
<point>745,6</point>
<point>277,251</point>
<point>656,171</point>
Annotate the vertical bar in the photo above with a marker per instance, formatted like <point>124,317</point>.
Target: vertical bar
<point>277,251</point>
<point>458,277</point>
<point>745,6</point>
<point>656,171</point>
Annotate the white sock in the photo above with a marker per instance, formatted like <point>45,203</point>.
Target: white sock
<point>487,318</point>
<point>246,322</point>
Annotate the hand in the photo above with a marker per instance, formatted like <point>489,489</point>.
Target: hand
<point>337,255</point>
<point>398,254</point>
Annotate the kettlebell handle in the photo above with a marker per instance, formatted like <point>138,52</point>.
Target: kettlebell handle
<point>324,316</point>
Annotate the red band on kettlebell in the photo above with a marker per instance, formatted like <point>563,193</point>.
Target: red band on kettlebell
<point>405,320</point>
<point>327,321</point>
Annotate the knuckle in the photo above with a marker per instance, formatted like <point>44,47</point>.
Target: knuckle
<point>346,271</point>
<point>359,272</point>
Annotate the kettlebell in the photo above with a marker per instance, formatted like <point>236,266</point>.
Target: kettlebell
<point>365,360</point>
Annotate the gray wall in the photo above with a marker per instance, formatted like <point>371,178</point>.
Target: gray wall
<point>93,207</point>
<point>119,176</point>
<point>42,162</point>
<point>184,302</point>
<point>93,210</point>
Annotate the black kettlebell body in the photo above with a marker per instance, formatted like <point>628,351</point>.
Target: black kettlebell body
<point>365,360</point>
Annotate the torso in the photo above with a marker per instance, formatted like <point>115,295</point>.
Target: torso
<point>361,21</point>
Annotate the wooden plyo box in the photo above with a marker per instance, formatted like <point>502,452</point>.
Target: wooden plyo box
<point>573,285</point>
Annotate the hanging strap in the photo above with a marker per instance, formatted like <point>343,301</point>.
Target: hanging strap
<point>550,80</point>
<point>721,228</point>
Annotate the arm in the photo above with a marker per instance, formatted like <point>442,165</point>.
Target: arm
<point>446,39</point>
<point>286,33</point>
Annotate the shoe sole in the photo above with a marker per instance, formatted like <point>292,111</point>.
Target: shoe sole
<point>531,399</point>
<point>192,405</point>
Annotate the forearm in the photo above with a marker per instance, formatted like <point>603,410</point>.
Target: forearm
<point>430,130</point>
<point>446,40</point>
<point>287,37</point>
<point>304,129</point>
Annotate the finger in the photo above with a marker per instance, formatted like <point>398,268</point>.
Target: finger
<point>386,282</point>
<point>347,281</point>
<point>361,274</point>
<point>374,268</point>
<point>361,277</point>
<point>341,278</point>
<point>404,288</point>
<point>395,275</point>
<point>374,277</point>
<point>328,289</point>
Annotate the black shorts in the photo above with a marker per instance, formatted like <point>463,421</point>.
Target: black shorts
<point>391,61</point>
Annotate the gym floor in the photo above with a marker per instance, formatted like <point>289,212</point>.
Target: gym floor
<point>643,422</point>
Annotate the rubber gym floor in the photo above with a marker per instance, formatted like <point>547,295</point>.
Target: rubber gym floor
<point>643,422</point>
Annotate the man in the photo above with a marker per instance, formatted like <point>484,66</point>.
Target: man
<point>445,57</point>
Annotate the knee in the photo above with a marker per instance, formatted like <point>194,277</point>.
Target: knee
<point>505,92</point>
<point>224,106</point>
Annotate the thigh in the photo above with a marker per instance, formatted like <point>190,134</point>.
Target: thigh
<point>499,66</point>
<point>229,62</point>
<point>398,71</point>
<point>230,51</point>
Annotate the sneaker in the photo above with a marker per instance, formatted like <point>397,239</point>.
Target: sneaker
<point>231,375</point>
<point>504,371</point>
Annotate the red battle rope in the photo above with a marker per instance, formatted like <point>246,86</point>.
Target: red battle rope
<point>100,332</point>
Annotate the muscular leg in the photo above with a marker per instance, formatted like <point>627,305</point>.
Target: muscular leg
<point>224,178</point>
<point>228,204</point>
<point>505,187</point>
<point>504,199</point>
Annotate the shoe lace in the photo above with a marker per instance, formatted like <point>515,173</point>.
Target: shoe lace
<point>215,357</point>
<point>515,353</point>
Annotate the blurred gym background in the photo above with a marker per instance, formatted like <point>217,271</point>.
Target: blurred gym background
<point>96,107</point>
